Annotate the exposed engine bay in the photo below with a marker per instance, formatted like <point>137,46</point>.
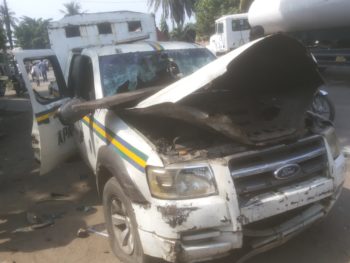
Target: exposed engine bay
<point>262,99</point>
<point>255,96</point>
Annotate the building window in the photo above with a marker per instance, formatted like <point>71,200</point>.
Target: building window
<point>134,26</point>
<point>104,28</point>
<point>72,31</point>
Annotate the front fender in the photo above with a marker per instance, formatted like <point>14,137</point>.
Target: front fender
<point>109,160</point>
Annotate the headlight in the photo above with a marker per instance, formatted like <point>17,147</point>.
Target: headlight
<point>333,142</point>
<point>181,182</point>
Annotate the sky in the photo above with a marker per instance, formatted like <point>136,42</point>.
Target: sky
<point>50,8</point>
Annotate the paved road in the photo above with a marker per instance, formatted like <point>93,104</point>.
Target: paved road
<point>22,191</point>
<point>339,91</point>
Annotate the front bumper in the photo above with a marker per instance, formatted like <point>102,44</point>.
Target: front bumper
<point>217,226</point>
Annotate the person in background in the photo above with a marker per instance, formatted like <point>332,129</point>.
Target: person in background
<point>35,71</point>
<point>43,69</point>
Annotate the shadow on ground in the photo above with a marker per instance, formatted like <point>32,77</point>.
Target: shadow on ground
<point>59,197</point>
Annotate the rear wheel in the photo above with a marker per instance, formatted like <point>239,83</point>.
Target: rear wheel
<point>121,224</point>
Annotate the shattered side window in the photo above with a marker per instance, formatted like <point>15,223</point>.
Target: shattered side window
<point>190,60</point>
<point>131,71</point>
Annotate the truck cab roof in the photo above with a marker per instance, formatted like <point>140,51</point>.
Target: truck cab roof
<point>143,46</point>
<point>235,16</point>
<point>95,18</point>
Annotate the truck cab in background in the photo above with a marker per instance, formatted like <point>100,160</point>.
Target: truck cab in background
<point>231,32</point>
<point>98,29</point>
<point>323,26</point>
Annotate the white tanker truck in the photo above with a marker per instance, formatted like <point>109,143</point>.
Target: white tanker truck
<point>323,25</point>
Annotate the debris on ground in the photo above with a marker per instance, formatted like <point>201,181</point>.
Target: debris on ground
<point>46,223</point>
<point>85,209</point>
<point>58,195</point>
<point>32,218</point>
<point>99,229</point>
<point>82,233</point>
<point>54,197</point>
<point>38,222</point>
<point>23,230</point>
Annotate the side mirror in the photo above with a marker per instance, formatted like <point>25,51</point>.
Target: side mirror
<point>69,113</point>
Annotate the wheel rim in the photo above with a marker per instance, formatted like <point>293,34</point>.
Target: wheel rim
<point>321,107</point>
<point>122,227</point>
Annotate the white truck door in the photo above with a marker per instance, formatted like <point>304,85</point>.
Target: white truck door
<point>221,31</point>
<point>52,141</point>
<point>240,32</point>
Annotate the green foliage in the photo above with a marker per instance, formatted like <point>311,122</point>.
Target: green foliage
<point>3,39</point>
<point>8,21</point>
<point>72,8</point>
<point>245,4</point>
<point>31,33</point>
<point>207,11</point>
<point>187,33</point>
<point>164,28</point>
<point>175,9</point>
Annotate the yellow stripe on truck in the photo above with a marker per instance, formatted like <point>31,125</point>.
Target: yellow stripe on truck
<point>117,144</point>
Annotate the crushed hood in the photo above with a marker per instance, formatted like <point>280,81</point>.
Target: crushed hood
<point>257,94</point>
<point>271,55</point>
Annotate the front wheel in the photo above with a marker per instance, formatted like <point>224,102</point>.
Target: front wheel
<point>121,224</point>
<point>323,106</point>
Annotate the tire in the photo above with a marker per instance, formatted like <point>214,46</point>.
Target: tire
<point>126,247</point>
<point>323,106</point>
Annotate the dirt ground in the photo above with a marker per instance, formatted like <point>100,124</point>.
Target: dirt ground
<point>67,199</point>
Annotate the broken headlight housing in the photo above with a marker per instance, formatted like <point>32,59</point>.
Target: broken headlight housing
<point>181,182</point>
<point>333,142</point>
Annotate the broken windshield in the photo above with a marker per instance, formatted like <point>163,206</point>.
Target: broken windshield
<point>131,71</point>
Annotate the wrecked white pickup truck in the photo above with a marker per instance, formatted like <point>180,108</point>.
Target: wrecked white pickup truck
<point>195,157</point>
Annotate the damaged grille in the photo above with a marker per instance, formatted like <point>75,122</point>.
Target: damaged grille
<point>254,172</point>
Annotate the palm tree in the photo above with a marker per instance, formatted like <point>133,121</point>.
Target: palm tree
<point>164,28</point>
<point>31,33</point>
<point>2,38</point>
<point>9,20</point>
<point>72,8</point>
<point>176,9</point>
<point>186,34</point>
